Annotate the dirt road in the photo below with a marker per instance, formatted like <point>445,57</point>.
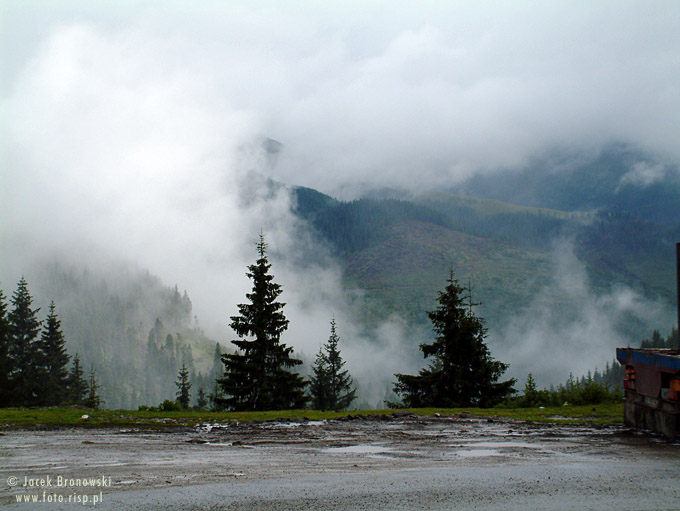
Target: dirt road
<point>383,463</point>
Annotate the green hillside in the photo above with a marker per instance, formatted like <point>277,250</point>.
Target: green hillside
<point>111,319</point>
<point>485,207</point>
<point>400,252</point>
<point>136,331</point>
<point>404,272</point>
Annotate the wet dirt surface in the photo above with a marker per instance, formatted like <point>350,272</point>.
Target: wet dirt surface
<point>383,463</point>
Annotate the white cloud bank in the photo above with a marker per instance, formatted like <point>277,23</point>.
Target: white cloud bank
<point>569,328</point>
<point>397,95</point>
<point>112,154</point>
<point>123,127</point>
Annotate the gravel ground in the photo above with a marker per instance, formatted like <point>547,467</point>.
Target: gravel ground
<point>379,463</point>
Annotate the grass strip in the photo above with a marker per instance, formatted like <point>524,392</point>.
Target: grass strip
<point>49,418</point>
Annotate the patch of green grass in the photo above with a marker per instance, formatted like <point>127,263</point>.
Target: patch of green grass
<point>605,413</point>
<point>48,418</point>
<point>490,207</point>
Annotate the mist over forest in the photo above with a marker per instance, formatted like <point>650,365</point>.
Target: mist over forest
<point>531,149</point>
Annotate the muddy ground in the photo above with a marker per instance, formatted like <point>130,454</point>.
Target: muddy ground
<point>386,462</point>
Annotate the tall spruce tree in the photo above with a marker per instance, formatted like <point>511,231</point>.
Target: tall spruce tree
<point>53,388</point>
<point>462,372</point>
<point>77,386</point>
<point>5,361</point>
<point>331,387</point>
<point>183,387</point>
<point>258,376</point>
<point>23,348</point>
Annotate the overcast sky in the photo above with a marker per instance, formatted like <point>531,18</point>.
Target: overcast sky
<point>397,93</point>
<point>129,127</point>
<point>126,122</point>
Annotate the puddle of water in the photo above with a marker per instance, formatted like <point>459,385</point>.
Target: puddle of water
<point>477,453</point>
<point>360,449</point>
<point>501,445</point>
<point>208,427</point>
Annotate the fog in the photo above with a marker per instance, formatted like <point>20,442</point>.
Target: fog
<point>568,327</point>
<point>361,94</point>
<point>133,132</point>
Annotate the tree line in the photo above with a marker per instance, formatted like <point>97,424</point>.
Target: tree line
<point>263,373</point>
<point>107,321</point>
<point>593,388</point>
<point>33,359</point>
<point>260,374</point>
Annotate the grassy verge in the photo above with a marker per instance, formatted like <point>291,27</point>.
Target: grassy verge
<point>47,418</point>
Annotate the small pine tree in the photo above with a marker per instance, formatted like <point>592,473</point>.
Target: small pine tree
<point>201,399</point>
<point>319,383</point>
<point>23,349</point>
<point>673,339</point>
<point>332,388</point>
<point>217,367</point>
<point>183,388</point>
<point>53,387</point>
<point>258,377</point>
<point>530,392</point>
<point>93,400</point>
<point>77,386</point>
<point>217,398</point>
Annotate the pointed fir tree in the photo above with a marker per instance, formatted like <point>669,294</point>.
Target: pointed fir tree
<point>331,387</point>
<point>152,368</point>
<point>673,339</point>
<point>24,349</point>
<point>217,367</point>
<point>462,372</point>
<point>183,387</point>
<point>77,386</point>
<point>5,361</point>
<point>216,398</point>
<point>93,400</point>
<point>53,387</point>
<point>258,376</point>
<point>530,397</point>
<point>319,383</point>
<point>201,399</point>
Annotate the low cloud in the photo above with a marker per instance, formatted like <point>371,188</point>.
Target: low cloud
<point>420,96</point>
<point>115,157</point>
<point>134,133</point>
<point>569,327</point>
<point>644,174</point>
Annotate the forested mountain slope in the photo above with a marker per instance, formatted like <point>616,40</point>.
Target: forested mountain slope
<point>132,329</point>
<point>136,331</point>
<point>401,251</point>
